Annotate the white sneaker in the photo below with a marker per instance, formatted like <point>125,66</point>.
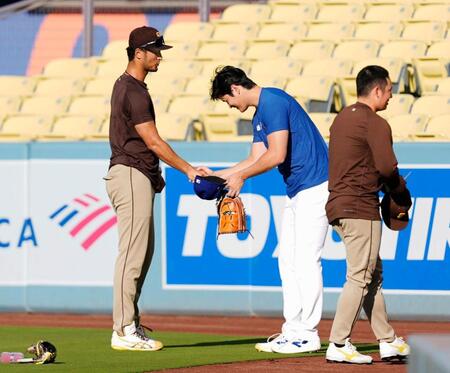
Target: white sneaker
<point>294,346</point>
<point>397,349</point>
<point>273,340</point>
<point>346,354</point>
<point>134,340</point>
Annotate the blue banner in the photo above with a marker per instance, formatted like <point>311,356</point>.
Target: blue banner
<point>415,259</point>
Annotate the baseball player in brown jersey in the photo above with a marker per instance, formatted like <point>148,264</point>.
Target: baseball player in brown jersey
<point>133,178</point>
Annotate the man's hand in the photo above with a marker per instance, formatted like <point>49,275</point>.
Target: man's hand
<point>193,172</point>
<point>206,170</point>
<point>234,184</point>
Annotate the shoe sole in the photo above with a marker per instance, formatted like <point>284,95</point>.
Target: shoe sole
<point>120,348</point>
<point>395,357</point>
<point>296,352</point>
<point>346,362</point>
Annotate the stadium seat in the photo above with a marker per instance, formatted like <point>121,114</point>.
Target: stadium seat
<point>25,127</point>
<point>432,12</point>
<point>330,30</point>
<point>111,68</point>
<point>282,31</point>
<point>440,49</point>
<point>332,67</point>
<point>395,66</point>
<point>210,66</point>
<point>72,127</point>
<point>346,87</point>
<point>199,85</point>
<point>316,91</point>
<point>378,31</point>
<point>191,105</point>
<point>389,12</point>
<point>403,49</point>
<point>432,105</point>
<point>160,103</point>
<point>45,105</point>
<point>295,13</point>
<point>344,12</point>
<point>165,85</point>
<point>405,126</point>
<point>99,86</point>
<point>174,126</point>
<point>98,106</point>
<point>216,50</point>
<point>50,86</point>
<point>9,104</point>
<point>283,67</point>
<point>398,104</point>
<point>73,67</point>
<point>16,85</point>
<point>427,32</point>
<point>102,134</point>
<point>183,31</point>
<point>235,32</point>
<point>308,50</point>
<point>323,122</point>
<point>428,73</point>
<point>248,12</point>
<point>180,69</point>
<point>219,127</point>
<point>356,49</point>
<point>437,129</point>
<point>116,49</point>
<point>267,50</point>
<point>264,80</point>
<point>444,87</point>
<point>182,50</point>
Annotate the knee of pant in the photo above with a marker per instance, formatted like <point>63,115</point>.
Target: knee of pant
<point>362,283</point>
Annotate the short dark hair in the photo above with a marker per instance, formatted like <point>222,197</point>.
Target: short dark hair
<point>225,77</point>
<point>369,77</point>
<point>130,53</point>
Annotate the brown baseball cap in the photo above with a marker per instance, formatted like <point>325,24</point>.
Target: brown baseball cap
<point>147,38</point>
<point>395,210</point>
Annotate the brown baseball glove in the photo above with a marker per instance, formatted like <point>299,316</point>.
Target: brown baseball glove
<point>232,217</point>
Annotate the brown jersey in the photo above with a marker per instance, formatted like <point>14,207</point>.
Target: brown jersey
<point>131,104</point>
<point>361,158</point>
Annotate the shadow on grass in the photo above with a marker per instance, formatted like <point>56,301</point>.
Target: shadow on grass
<point>219,343</point>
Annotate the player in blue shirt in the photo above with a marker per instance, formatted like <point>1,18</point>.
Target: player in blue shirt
<point>285,136</point>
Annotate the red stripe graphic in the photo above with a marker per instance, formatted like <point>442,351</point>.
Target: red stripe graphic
<point>81,202</point>
<point>91,197</point>
<point>98,233</point>
<point>88,219</point>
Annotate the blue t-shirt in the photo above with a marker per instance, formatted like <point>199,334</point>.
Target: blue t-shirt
<point>306,163</point>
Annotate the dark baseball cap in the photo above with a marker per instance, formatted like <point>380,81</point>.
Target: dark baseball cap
<point>394,211</point>
<point>209,187</point>
<point>147,38</point>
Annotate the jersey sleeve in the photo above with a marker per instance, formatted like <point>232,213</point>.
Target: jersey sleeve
<point>140,108</point>
<point>275,115</point>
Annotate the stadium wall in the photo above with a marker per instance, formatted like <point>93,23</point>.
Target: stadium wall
<point>58,237</point>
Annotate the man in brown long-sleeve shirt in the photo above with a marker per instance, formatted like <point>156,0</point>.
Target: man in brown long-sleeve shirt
<point>361,161</point>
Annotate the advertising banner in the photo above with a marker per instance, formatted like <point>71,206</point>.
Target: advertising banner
<point>56,224</point>
<point>415,260</point>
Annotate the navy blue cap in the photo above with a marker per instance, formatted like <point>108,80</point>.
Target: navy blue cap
<point>209,187</point>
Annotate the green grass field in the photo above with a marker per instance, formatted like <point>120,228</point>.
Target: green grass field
<point>88,350</point>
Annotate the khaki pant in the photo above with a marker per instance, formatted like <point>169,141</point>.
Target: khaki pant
<point>131,196</point>
<point>362,239</point>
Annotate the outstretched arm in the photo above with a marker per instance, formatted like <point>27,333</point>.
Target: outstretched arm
<point>156,144</point>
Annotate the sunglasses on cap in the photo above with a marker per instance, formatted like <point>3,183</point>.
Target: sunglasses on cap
<point>158,43</point>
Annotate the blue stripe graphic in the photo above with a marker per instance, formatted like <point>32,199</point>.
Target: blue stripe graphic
<point>57,212</point>
<point>68,218</point>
